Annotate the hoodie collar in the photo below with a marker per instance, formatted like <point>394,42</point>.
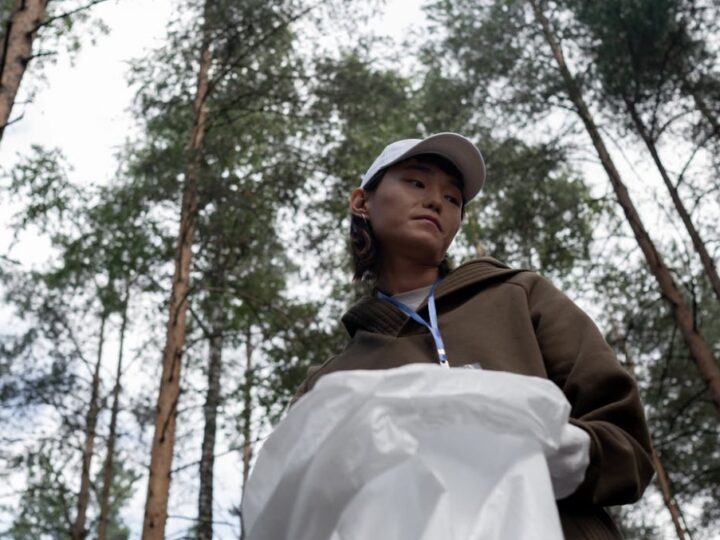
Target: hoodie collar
<point>375,315</point>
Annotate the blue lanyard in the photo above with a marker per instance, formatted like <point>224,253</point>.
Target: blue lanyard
<point>433,326</point>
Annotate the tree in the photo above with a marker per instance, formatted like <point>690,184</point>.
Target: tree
<point>680,413</point>
<point>44,505</point>
<point>23,21</point>
<point>244,84</point>
<point>640,52</point>
<point>518,63</point>
<point>104,247</point>
<point>20,31</point>
<point>164,438</point>
<point>702,354</point>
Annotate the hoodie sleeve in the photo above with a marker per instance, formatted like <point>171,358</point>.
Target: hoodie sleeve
<point>604,398</point>
<point>308,383</point>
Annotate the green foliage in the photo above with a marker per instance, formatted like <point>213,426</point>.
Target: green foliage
<point>47,503</point>
<point>44,512</point>
<point>536,212</point>
<point>122,489</point>
<point>40,183</point>
<point>680,413</point>
<point>495,46</point>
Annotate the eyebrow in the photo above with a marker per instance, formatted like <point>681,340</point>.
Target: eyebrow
<point>428,168</point>
<point>418,166</point>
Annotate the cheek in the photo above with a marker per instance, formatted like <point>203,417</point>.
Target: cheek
<point>387,209</point>
<point>453,229</point>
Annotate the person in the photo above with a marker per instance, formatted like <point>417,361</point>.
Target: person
<point>486,315</point>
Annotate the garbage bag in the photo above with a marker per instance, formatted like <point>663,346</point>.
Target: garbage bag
<point>412,453</point>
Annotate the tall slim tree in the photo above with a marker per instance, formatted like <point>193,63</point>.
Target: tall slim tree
<point>702,354</point>
<point>641,52</point>
<point>16,51</point>
<point>108,465</point>
<point>518,66</point>
<point>91,419</point>
<point>169,393</point>
<point>213,396</point>
<point>245,97</point>
<point>23,23</point>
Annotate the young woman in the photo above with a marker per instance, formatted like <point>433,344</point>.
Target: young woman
<point>484,314</point>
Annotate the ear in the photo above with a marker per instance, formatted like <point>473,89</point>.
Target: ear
<point>358,202</point>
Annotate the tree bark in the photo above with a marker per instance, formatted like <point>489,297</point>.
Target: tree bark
<point>16,52</point>
<point>700,247</point>
<point>78,529</point>
<point>247,449</point>
<point>662,477</point>
<point>247,407</point>
<point>207,458</point>
<point>668,499</point>
<point>164,438</point>
<point>700,351</point>
<point>110,451</point>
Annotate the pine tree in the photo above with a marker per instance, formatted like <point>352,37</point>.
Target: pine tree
<point>641,53</point>
<point>24,22</point>
<point>519,64</point>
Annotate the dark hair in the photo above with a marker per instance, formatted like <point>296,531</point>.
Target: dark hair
<point>364,247</point>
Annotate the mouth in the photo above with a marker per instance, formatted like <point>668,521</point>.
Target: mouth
<point>432,220</point>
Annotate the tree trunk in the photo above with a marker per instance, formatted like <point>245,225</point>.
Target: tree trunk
<point>78,530</point>
<point>668,499</point>
<point>702,354</point>
<point>110,451</point>
<point>164,438</point>
<point>707,261</point>
<point>247,449</point>
<point>207,458</point>
<point>662,478</point>
<point>16,52</point>
<point>247,407</point>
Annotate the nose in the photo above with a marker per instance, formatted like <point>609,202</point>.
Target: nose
<point>433,199</point>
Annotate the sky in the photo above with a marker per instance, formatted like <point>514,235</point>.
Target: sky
<point>82,108</point>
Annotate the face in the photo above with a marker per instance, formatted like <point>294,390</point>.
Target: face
<point>415,211</point>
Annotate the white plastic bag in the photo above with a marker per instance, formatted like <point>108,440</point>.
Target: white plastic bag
<point>413,453</point>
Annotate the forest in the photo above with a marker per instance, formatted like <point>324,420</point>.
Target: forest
<point>176,308</point>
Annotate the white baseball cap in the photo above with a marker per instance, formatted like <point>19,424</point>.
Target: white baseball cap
<point>452,146</point>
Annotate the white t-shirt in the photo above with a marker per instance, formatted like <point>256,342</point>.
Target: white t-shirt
<point>413,298</point>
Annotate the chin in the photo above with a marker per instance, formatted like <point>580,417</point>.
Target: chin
<point>428,254</point>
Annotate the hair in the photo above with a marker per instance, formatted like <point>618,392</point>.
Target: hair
<point>364,247</point>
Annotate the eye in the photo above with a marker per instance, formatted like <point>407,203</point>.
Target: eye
<point>453,200</point>
<point>415,182</point>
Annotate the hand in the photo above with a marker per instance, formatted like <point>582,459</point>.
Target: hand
<point>569,462</point>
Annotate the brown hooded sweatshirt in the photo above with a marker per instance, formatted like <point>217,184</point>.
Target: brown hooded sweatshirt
<point>516,321</point>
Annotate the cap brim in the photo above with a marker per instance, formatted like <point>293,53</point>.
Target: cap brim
<point>460,151</point>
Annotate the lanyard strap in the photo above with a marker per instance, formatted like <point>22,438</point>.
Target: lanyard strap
<point>433,326</point>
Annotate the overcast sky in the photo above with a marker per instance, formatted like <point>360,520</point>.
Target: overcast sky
<point>82,108</point>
